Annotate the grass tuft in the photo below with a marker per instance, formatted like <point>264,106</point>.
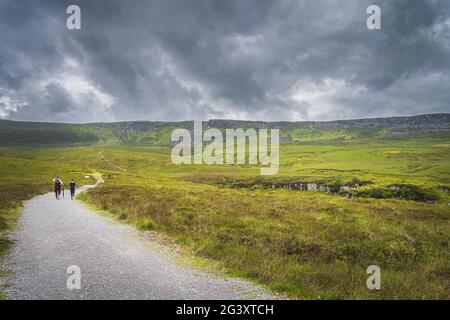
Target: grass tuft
<point>145,224</point>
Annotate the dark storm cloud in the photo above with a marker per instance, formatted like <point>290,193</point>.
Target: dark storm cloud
<point>261,59</point>
<point>57,100</point>
<point>407,45</point>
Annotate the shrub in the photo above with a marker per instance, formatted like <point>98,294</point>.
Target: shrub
<point>416,193</point>
<point>404,191</point>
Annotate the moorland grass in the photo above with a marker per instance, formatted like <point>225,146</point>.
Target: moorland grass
<point>307,245</point>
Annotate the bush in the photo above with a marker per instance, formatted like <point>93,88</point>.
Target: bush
<point>379,193</point>
<point>413,192</point>
<point>404,191</point>
<point>335,186</point>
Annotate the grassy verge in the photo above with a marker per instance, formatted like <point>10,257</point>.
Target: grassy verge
<point>304,245</point>
<point>11,198</point>
<point>10,204</point>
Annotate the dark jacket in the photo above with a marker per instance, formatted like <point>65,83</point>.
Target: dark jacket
<point>72,186</point>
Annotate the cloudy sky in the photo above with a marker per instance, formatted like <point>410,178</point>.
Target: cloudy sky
<point>234,59</point>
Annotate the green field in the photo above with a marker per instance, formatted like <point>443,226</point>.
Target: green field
<point>303,244</point>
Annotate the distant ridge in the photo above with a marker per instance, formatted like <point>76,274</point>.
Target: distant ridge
<point>425,123</point>
<point>158,132</point>
<point>437,118</point>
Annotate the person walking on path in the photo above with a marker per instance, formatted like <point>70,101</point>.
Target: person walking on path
<point>72,187</point>
<point>58,187</point>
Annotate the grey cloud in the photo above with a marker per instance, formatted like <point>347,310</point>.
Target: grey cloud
<point>260,59</point>
<point>57,100</point>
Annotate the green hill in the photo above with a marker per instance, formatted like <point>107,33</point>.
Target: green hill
<point>158,133</point>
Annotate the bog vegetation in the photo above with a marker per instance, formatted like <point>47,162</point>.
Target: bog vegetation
<point>340,202</point>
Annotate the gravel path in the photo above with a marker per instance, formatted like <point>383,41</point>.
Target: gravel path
<point>115,262</point>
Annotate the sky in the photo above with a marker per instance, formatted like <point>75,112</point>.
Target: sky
<point>264,60</point>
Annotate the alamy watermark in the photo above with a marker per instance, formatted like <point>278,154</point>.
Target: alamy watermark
<point>373,22</point>
<point>233,150</point>
<point>374,280</point>
<point>74,280</point>
<point>73,21</point>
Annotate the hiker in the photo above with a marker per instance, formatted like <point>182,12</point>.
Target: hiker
<point>72,187</point>
<point>58,187</point>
